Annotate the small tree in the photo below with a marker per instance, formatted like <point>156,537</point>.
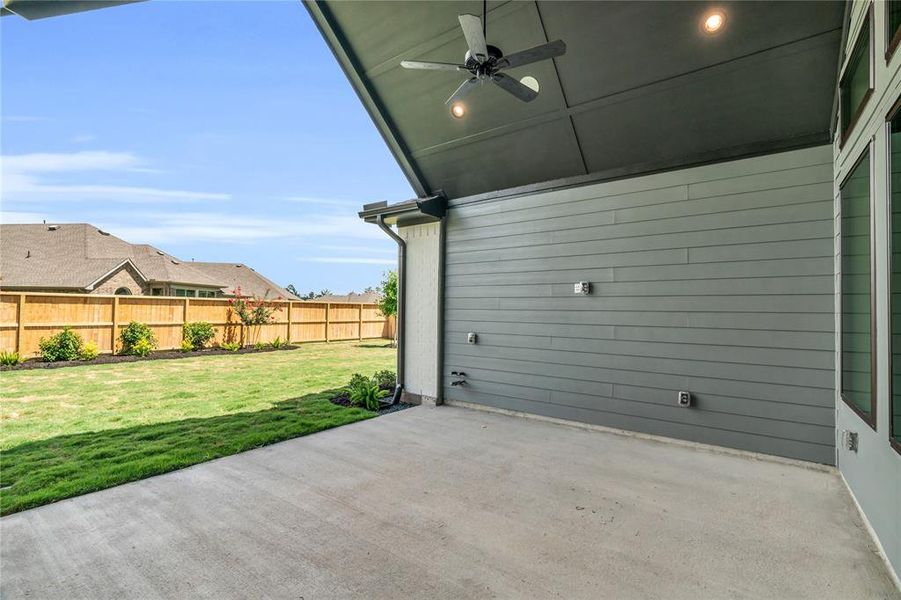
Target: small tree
<point>388,301</point>
<point>293,290</point>
<point>252,312</point>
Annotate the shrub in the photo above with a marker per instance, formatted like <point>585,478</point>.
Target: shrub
<point>367,395</point>
<point>142,347</point>
<point>198,334</point>
<point>138,339</point>
<point>65,345</point>
<point>277,343</point>
<point>10,359</point>
<point>187,346</point>
<point>89,351</point>
<point>357,380</point>
<point>259,346</point>
<point>386,378</point>
<point>230,346</point>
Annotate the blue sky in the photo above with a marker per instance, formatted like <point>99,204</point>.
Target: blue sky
<point>219,131</point>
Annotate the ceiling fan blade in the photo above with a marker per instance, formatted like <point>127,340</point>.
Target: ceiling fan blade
<point>527,57</point>
<point>475,38</point>
<point>430,66</point>
<point>467,86</point>
<point>508,84</point>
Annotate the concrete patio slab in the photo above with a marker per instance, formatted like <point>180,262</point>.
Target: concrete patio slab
<point>453,503</point>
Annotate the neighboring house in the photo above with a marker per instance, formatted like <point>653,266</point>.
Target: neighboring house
<point>80,258</point>
<point>364,298</point>
<point>721,184</point>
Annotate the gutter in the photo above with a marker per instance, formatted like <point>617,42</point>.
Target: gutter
<point>411,212</point>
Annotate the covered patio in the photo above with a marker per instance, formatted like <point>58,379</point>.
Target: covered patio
<point>449,502</point>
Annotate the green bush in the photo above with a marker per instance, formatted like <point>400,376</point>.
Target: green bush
<point>199,334</point>
<point>386,378</point>
<point>367,395</point>
<point>356,380</point>
<point>277,343</point>
<point>89,351</point>
<point>143,347</point>
<point>230,346</point>
<point>65,345</point>
<point>187,346</point>
<point>10,359</point>
<point>138,339</point>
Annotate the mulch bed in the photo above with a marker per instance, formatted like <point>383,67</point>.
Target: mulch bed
<point>342,399</point>
<point>103,359</point>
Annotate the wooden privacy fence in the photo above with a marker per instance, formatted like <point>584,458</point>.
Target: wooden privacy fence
<point>26,318</point>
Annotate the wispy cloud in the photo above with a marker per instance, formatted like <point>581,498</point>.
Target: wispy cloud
<point>12,216</point>
<point>353,260</point>
<point>168,228</point>
<point>325,201</point>
<point>84,138</point>
<point>358,249</point>
<point>23,118</point>
<point>24,178</point>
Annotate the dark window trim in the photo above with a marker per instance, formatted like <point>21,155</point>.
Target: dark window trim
<point>871,418</point>
<point>891,39</point>
<point>847,128</point>
<point>892,113</point>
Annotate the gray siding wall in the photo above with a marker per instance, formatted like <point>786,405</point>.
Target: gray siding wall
<point>717,280</point>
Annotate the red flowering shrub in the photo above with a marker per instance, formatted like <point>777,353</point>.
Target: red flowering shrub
<point>252,312</point>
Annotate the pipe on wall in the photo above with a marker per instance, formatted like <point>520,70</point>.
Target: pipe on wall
<point>439,334</point>
<point>401,313</point>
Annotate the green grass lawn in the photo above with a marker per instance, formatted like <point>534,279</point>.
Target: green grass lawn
<point>70,431</point>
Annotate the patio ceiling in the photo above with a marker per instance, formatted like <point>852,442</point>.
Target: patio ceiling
<point>641,87</point>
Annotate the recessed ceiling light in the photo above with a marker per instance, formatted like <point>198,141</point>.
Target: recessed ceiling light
<point>458,110</point>
<point>714,21</point>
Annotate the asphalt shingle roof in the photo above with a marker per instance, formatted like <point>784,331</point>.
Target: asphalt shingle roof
<point>75,255</point>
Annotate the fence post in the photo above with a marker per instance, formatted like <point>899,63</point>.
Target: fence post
<point>327,306</point>
<point>115,329</point>
<point>20,329</point>
<point>184,317</point>
<point>360,327</point>
<point>288,334</point>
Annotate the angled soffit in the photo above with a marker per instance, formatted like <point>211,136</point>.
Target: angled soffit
<point>641,87</point>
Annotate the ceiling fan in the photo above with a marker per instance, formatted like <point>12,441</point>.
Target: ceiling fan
<point>486,63</point>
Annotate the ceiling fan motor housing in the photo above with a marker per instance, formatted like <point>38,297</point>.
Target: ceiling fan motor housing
<point>494,55</point>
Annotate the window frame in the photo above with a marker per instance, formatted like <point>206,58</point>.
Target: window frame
<point>893,112</point>
<point>871,418</point>
<point>892,39</point>
<point>847,128</point>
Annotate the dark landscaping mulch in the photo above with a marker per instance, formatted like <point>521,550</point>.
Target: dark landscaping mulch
<point>103,359</point>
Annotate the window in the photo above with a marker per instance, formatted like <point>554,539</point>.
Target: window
<point>183,293</point>
<point>156,292</point>
<point>122,291</point>
<point>858,373</point>
<point>205,294</point>
<point>855,87</point>
<point>894,152</point>
<point>892,26</point>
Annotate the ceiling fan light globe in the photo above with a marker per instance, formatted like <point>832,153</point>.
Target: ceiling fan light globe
<point>530,82</point>
<point>458,110</point>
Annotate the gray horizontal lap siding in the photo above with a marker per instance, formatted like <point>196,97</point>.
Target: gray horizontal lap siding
<point>716,279</point>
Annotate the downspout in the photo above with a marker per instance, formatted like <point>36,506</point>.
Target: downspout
<point>401,314</point>
<point>439,335</point>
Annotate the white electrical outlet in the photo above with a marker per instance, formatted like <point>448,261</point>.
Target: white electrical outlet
<point>583,288</point>
<point>684,399</point>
